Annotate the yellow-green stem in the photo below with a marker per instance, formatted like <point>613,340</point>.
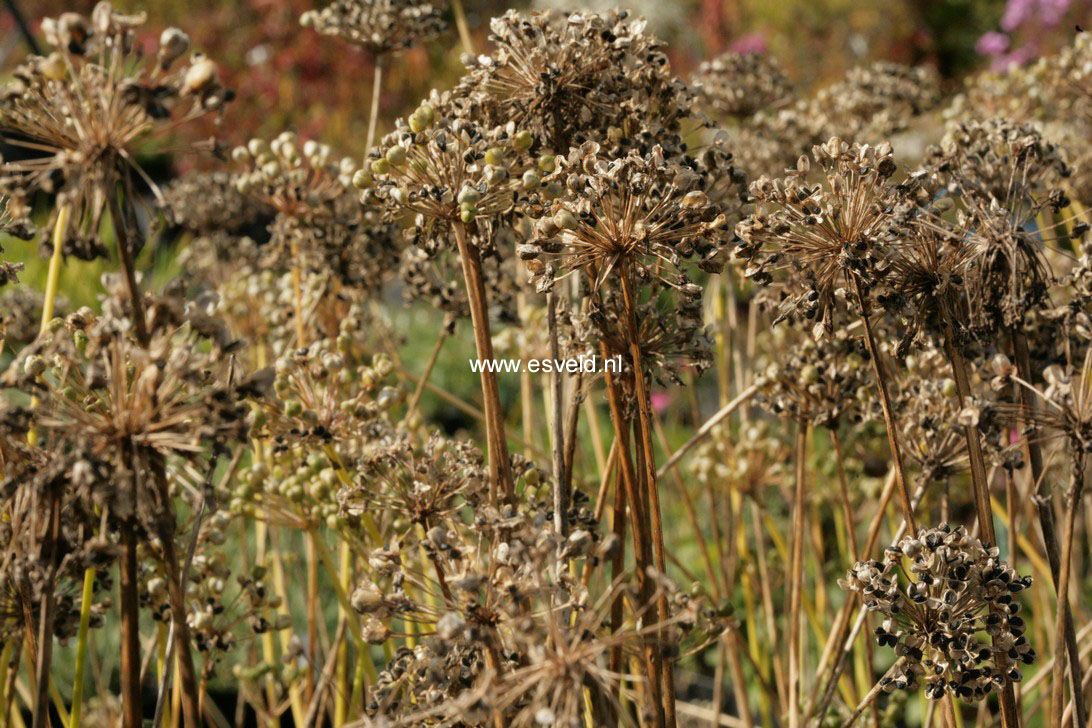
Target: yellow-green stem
<point>463,26</point>
<point>81,646</point>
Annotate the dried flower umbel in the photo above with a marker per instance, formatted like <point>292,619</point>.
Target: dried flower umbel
<point>144,409</point>
<point>741,84</point>
<point>1001,180</point>
<point>82,112</point>
<point>570,77</point>
<point>825,235</point>
<point>959,590</point>
<point>639,215</point>
<point>319,223</point>
<point>379,26</point>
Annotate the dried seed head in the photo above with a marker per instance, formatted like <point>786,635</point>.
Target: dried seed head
<point>380,26</point>
<point>960,591</point>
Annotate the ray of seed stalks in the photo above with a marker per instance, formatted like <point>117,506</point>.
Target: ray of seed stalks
<point>585,394</point>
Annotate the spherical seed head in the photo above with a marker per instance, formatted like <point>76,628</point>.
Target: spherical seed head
<point>380,26</point>
<point>960,590</point>
<point>90,104</point>
<point>740,84</point>
<point>562,76</point>
<point>813,239</point>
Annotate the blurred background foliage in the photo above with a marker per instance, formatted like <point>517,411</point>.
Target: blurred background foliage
<point>288,77</point>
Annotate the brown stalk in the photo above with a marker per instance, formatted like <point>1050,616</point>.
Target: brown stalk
<point>1010,716</point>
<point>885,404</point>
<point>841,635</point>
<point>499,466</point>
<point>557,392</point>
<point>950,711</point>
<point>691,514</point>
<point>1057,695</point>
<point>1045,509</point>
<point>130,601</point>
<point>796,575</point>
<point>130,625</point>
<point>617,568</point>
<point>47,612</point>
<point>645,443</point>
<point>641,537</point>
<point>872,695</point>
<point>177,602</point>
<point>733,651</point>
<point>572,422</point>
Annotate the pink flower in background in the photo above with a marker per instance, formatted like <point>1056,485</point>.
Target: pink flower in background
<point>748,44</point>
<point>660,401</point>
<point>1017,57</point>
<point>992,44</point>
<point>1051,12</point>
<point>1017,12</point>
<point>1031,16</point>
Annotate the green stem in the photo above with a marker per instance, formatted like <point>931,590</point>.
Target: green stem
<point>81,646</point>
<point>55,261</point>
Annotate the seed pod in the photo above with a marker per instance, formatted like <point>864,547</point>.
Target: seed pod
<point>199,76</point>
<point>173,43</point>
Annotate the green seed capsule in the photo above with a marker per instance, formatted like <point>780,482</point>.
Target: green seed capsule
<point>469,195</point>
<point>396,155</point>
<point>426,113</point>
<point>547,163</point>
<point>362,180</point>
<point>293,408</point>
<point>467,214</point>
<point>381,166</point>
<point>495,156</point>
<point>522,140</point>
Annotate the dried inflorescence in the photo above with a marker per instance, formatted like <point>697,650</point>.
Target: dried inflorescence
<point>749,462</point>
<point>991,183</point>
<point>211,202</point>
<point>826,382</point>
<point>20,315</point>
<point>131,405</point>
<point>820,237</point>
<point>671,332</point>
<point>741,84</point>
<point>319,223</point>
<point>1067,392</point>
<point>81,111</point>
<point>28,477</point>
<point>933,435</point>
<point>874,102</point>
<point>380,26</point>
<point>959,590</point>
<point>572,77</point>
<point>637,215</point>
<point>868,106</point>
